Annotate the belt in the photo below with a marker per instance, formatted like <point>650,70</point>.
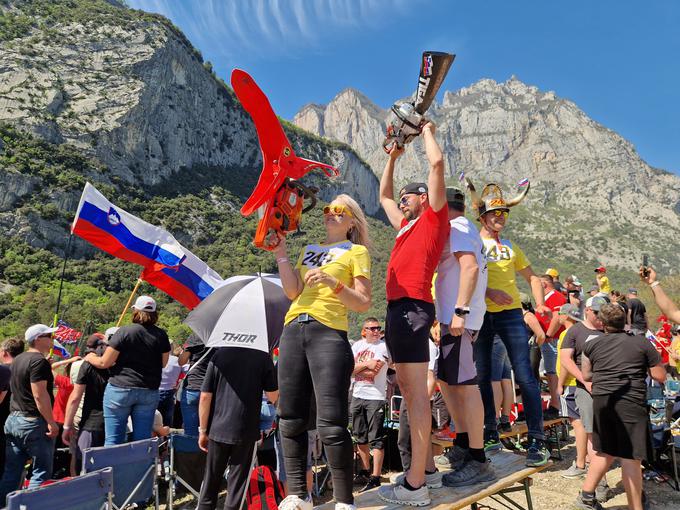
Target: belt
<point>304,318</point>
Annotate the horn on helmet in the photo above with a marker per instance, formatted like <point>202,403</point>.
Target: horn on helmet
<point>520,197</point>
<point>477,202</point>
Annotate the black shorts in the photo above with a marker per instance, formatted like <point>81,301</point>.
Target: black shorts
<point>407,330</point>
<point>621,428</point>
<point>456,364</point>
<point>368,417</point>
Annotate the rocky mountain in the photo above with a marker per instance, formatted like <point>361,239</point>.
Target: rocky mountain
<point>126,90</point>
<point>592,197</point>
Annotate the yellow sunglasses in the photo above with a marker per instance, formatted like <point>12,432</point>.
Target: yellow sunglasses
<point>499,212</point>
<point>337,210</point>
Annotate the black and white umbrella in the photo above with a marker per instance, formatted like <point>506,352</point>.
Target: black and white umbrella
<point>246,311</point>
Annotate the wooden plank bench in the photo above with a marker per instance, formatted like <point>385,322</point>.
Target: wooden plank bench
<point>551,428</point>
<point>513,476</point>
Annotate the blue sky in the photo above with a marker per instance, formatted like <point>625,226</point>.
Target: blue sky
<point>617,59</point>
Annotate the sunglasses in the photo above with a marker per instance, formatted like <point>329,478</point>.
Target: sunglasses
<point>498,213</point>
<point>337,210</point>
<point>373,328</point>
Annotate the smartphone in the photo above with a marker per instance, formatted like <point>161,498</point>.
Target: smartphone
<point>645,265</point>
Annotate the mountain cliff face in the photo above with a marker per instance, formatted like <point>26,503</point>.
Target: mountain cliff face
<point>127,92</point>
<point>591,198</point>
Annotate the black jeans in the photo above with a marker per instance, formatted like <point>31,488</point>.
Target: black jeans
<point>220,455</point>
<point>315,361</point>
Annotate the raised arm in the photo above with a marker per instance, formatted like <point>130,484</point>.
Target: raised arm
<point>667,307</point>
<point>435,180</point>
<point>387,201</point>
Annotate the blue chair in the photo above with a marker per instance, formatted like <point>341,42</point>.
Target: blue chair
<point>134,470</point>
<point>185,467</point>
<point>92,491</point>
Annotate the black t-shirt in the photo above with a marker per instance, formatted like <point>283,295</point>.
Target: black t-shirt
<point>5,374</point>
<point>196,375</point>
<point>237,376</point>
<point>29,367</point>
<point>140,359</point>
<point>576,338</point>
<point>95,380</point>
<point>637,314</point>
<point>620,362</point>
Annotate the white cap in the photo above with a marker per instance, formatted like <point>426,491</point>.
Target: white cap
<point>109,332</point>
<point>37,330</point>
<point>145,304</point>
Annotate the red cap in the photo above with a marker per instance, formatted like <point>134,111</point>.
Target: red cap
<point>601,269</point>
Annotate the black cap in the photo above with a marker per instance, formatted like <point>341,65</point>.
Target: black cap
<point>455,196</point>
<point>417,188</point>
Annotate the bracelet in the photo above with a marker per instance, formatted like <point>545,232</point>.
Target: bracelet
<point>202,431</point>
<point>338,288</point>
<point>282,260</point>
<point>67,427</point>
<point>654,284</point>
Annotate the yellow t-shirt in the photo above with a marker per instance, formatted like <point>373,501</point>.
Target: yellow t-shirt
<point>571,380</point>
<point>345,261</point>
<point>603,283</point>
<point>503,262</point>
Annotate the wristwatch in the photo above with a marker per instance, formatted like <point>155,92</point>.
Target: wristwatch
<point>462,311</point>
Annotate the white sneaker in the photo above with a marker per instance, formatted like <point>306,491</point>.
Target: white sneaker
<point>296,503</point>
<point>344,506</point>
<point>432,480</point>
<point>400,495</point>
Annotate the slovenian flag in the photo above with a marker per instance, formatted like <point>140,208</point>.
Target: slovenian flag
<point>461,177</point>
<point>59,349</point>
<point>523,183</point>
<point>167,264</point>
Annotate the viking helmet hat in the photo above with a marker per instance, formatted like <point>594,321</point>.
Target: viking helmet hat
<point>492,199</point>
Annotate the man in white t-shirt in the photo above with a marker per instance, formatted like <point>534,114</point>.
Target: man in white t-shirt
<point>368,401</point>
<point>460,304</point>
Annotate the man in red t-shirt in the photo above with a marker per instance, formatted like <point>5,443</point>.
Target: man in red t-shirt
<point>421,219</point>
<point>552,328</point>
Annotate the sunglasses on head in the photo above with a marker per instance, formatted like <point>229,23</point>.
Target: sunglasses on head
<point>337,210</point>
<point>373,328</point>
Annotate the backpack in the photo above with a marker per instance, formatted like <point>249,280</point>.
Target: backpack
<point>265,491</point>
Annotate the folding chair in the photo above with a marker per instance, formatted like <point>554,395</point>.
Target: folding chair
<point>134,469</point>
<point>186,465</point>
<point>92,491</point>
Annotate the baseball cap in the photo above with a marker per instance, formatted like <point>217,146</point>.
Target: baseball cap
<point>594,288</point>
<point>524,298</point>
<point>595,303</point>
<point>600,269</point>
<point>94,341</point>
<point>632,291</point>
<point>110,331</point>
<point>552,272</point>
<point>576,281</point>
<point>455,196</point>
<point>571,311</point>
<point>37,330</point>
<point>145,304</point>
<point>417,188</point>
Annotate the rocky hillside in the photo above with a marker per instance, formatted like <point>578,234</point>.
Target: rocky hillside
<point>127,90</point>
<point>592,197</point>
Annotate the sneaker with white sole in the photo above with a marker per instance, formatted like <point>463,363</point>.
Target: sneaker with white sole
<point>574,471</point>
<point>400,495</point>
<point>470,473</point>
<point>344,506</point>
<point>432,480</point>
<point>452,459</point>
<point>293,502</point>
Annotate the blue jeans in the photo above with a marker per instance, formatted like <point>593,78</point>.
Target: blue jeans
<point>189,406</point>
<point>166,405</point>
<point>120,404</point>
<point>509,325</point>
<point>26,439</point>
<point>500,363</point>
<point>549,353</point>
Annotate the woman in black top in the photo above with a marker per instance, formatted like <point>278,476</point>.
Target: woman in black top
<point>135,358</point>
<point>198,356</point>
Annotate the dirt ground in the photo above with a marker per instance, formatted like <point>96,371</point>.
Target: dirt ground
<point>549,492</point>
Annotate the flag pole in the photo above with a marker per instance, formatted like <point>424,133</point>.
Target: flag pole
<point>132,295</point>
<point>61,282</point>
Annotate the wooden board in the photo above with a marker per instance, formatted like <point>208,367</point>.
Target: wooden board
<point>518,429</point>
<point>510,470</point>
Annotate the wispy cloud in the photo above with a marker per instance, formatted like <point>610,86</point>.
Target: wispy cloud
<point>274,28</point>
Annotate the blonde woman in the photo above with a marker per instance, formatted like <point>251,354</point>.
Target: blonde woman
<point>315,361</point>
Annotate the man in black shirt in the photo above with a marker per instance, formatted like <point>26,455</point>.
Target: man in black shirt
<point>637,313</point>
<point>229,413</point>
<point>30,428</point>
<point>618,364</point>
